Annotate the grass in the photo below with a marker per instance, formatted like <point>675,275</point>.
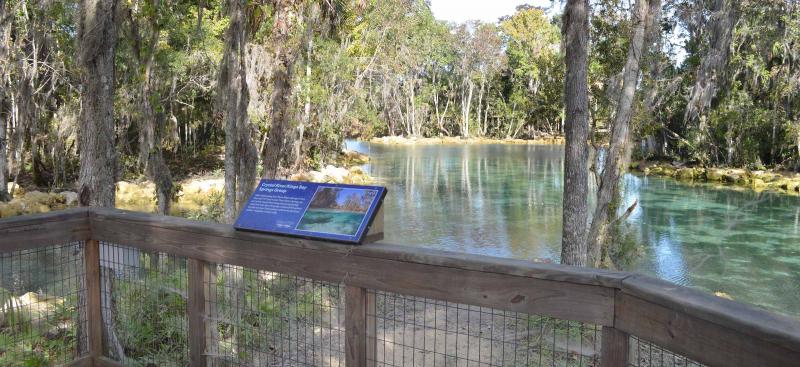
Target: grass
<point>150,313</point>
<point>23,344</point>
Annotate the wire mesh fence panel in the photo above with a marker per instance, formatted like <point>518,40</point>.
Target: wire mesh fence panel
<point>262,318</point>
<point>646,354</point>
<point>413,331</point>
<point>41,306</point>
<point>143,298</point>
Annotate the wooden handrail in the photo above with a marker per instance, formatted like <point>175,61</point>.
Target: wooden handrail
<point>701,326</point>
<point>535,289</point>
<point>42,230</point>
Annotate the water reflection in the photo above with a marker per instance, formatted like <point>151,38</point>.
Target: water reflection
<point>505,200</point>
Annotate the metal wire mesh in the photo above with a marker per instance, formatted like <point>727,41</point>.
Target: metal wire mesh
<point>41,304</point>
<point>259,318</point>
<point>268,319</point>
<point>143,301</point>
<point>413,331</point>
<point>646,354</point>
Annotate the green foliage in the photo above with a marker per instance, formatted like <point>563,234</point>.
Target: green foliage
<point>751,121</point>
<point>150,317</point>
<point>44,344</point>
<point>533,45</point>
<point>624,247</point>
<point>213,211</point>
<point>536,70</point>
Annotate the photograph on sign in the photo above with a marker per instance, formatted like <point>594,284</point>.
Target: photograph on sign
<point>337,210</point>
<point>327,211</point>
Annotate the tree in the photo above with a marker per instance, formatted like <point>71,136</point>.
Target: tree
<point>97,38</point>
<point>285,56</point>
<point>535,71</point>
<point>241,156</point>
<point>710,74</point>
<point>576,130</point>
<point>295,23</point>
<point>466,67</point>
<point>5,41</point>
<point>490,59</point>
<point>146,38</point>
<point>97,35</point>
<point>617,155</point>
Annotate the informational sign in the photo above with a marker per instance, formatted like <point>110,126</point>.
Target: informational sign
<point>315,210</point>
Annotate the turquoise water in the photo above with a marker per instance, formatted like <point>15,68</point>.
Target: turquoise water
<point>331,221</point>
<point>505,200</point>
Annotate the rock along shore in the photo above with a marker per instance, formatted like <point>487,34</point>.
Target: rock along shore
<point>757,180</point>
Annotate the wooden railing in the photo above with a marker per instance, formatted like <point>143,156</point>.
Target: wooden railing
<point>705,328</point>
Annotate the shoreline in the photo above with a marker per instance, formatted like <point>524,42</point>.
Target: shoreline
<point>199,197</point>
<point>780,182</point>
<point>457,140</point>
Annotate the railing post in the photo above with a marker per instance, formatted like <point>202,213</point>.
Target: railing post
<point>94,312</point>
<point>614,352</point>
<point>355,321</point>
<point>372,333</point>
<point>197,308</point>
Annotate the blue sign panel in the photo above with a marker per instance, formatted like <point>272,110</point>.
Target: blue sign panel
<point>328,211</point>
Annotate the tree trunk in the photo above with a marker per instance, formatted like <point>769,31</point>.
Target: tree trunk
<point>444,114</point>
<point>247,161</point>
<point>4,196</point>
<point>241,156</point>
<point>409,116</point>
<point>97,35</point>
<point>617,155</point>
<point>230,167</point>
<point>576,175</point>
<point>110,338</point>
<point>654,87</point>
<point>277,132</point>
<point>480,106</point>
<point>5,40</point>
<point>158,171</point>
<point>465,108</point>
<point>285,57</point>
<point>152,123</point>
<point>298,143</point>
<point>797,143</point>
<point>710,73</point>
<point>24,118</point>
<point>485,123</point>
<point>435,97</point>
<point>415,130</point>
